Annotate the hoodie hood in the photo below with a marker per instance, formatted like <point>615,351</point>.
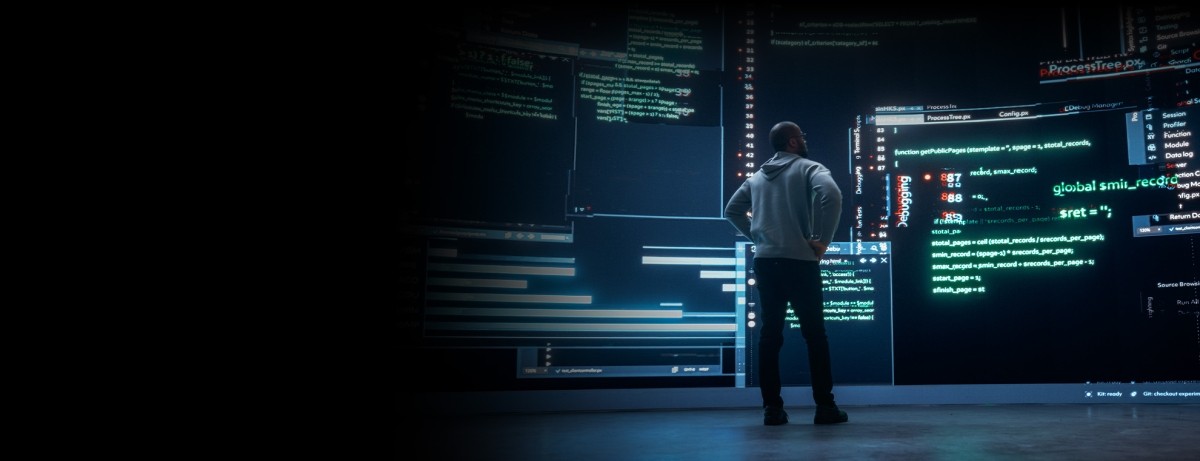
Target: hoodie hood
<point>778,163</point>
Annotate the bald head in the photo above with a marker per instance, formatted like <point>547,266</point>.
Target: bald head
<point>787,137</point>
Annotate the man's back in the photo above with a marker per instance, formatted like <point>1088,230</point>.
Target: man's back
<point>792,200</point>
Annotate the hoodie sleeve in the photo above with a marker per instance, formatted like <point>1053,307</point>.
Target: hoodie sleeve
<point>735,210</point>
<point>827,203</point>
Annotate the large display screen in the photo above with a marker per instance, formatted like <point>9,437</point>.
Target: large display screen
<point>1020,194</point>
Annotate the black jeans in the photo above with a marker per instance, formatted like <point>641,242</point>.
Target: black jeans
<point>780,281</point>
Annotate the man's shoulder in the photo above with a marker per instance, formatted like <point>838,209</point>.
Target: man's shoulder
<point>808,164</point>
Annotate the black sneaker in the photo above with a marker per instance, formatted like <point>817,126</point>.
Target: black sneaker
<point>829,415</point>
<point>774,416</point>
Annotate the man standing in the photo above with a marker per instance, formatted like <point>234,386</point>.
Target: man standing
<point>790,209</point>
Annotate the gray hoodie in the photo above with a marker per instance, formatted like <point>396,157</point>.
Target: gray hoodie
<point>792,200</point>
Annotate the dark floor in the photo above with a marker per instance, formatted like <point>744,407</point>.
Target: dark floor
<point>891,432</point>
